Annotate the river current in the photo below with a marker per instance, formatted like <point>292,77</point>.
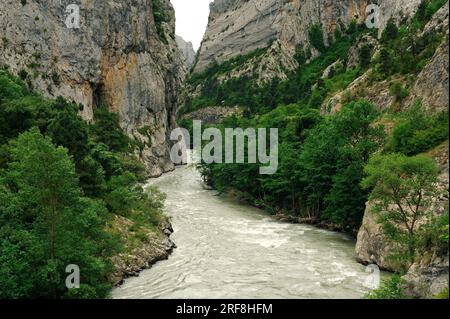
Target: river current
<point>230,250</point>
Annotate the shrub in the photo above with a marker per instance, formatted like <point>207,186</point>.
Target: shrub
<point>365,56</point>
<point>398,91</point>
<point>390,289</point>
<point>316,37</point>
<point>418,132</point>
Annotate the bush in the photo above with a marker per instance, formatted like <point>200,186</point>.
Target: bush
<point>106,130</point>
<point>316,37</point>
<point>417,132</point>
<point>434,235</point>
<point>390,289</point>
<point>398,91</point>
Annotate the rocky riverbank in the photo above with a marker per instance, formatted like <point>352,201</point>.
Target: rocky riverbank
<point>144,246</point>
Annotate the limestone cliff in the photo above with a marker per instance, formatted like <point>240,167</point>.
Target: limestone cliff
<point>120,56</point>
<point>187,49</point>
<point>237,27</point>
<point>432,84</point>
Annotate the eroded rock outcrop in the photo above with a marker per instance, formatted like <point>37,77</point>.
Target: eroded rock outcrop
<point>187,49</point>
<point>213,114</point>
<point>432,84</point>
<point>118,57</point>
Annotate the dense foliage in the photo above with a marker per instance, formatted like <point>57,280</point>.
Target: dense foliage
<point>416,131</point>
<point>391,288</point>
<point>322,158</point>
<point>246,92</point>
<point>321,163</point>
<point>61,181</point>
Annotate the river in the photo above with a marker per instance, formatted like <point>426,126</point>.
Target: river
<point>229,250</point>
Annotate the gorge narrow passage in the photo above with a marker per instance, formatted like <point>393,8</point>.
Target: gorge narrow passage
<point>229,250</point>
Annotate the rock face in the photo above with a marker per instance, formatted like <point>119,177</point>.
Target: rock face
<point>371,246</point>
<point>187,49</point>
<point>431,275</point>
<point>432,84</point>
<point>237,27</point>
<point>427,277</point>
<point>213,114</point>
<point>117,57</point>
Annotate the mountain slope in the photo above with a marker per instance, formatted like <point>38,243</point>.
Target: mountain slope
<point>237,27</point>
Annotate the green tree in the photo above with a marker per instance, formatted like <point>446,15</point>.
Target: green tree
<point>365,56</point>
<point>316,37</point>
<point>106,130</point>
<point>46,225</point>
<point>390,32</point>
<point>418,132</point>
<point>333,158</point>
<point>402,191</point>
<point>386,66</point>
<point>67,129</point>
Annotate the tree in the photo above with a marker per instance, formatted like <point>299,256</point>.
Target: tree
<point>333,158</point>
<point>300,55</point>
<point>107,131</point>
<point>45,224</point>
<point>70,131</point>
<point>391,31</point>
<point>316,37</point>
<point>385,62</point>
<point>365,56</point>
<point>402,190</point>
<point>421,14</point>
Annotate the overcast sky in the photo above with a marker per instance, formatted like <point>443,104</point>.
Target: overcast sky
<point>192,19</point>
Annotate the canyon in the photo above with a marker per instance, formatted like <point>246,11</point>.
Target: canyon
<point>126,57</point>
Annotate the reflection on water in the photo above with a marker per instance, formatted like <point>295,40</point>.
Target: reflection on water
<point>228,250</point>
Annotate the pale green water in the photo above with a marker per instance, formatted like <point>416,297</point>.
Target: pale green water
<point>228,250</point>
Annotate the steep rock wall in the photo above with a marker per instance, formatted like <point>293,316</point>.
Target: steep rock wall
<point>118,57</point>
<point>237,27</point>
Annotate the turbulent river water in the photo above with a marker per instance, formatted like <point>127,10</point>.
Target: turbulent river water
<point>229,250</point>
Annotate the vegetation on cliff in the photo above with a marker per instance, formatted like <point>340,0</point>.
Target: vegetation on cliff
<point>330,165</point>
<point>322,157</point>
<point>62,181</point>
